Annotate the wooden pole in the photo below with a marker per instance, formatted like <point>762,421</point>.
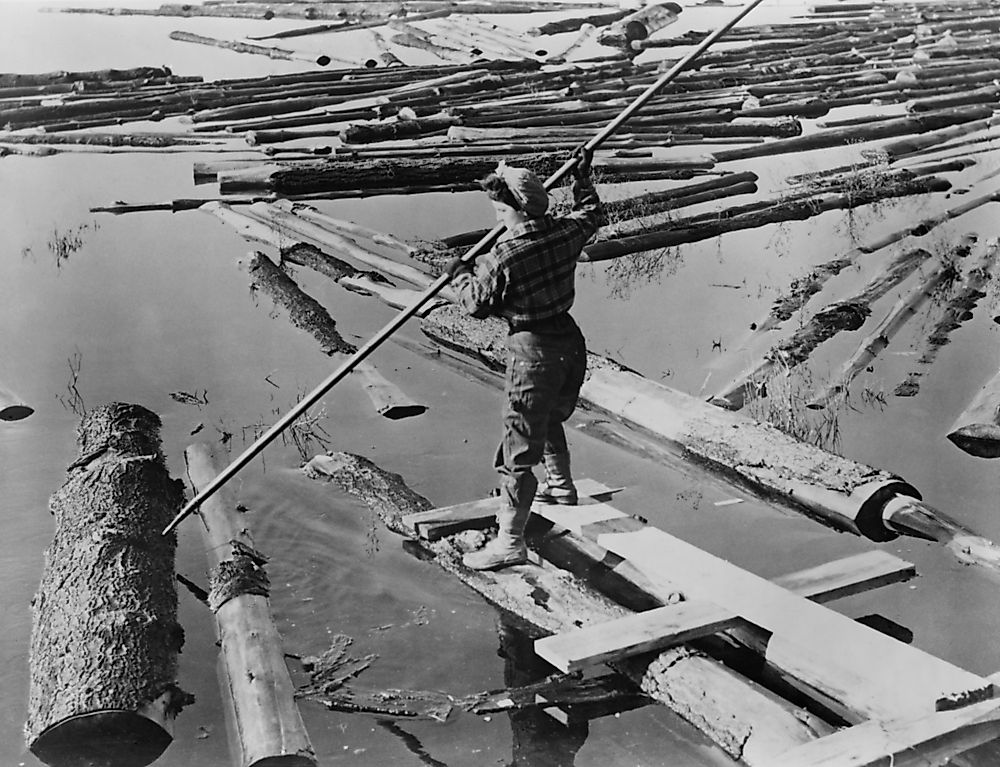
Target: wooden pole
<point>105,637</point>
<point>269,727</point>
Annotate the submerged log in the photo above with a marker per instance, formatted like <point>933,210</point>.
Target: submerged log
<point>744,720</point>
<point>957,310</point>
<point>308,314</point>
<point>269,727</point>
<point>847,314</point>
<point>12,407</point>
<point>105,636</point>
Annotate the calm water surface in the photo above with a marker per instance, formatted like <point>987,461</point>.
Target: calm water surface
<point>151,304</point>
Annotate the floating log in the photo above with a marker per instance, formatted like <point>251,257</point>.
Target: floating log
<point>308,314</point>
<point>916,144</point>
<point>957,310</point>
<point>578,22</point>
<point>745,721</point>
<point>269,727</point>
<point>639,25</point>
<point>847,314</point>
<point>844,494</point>
<point>677,232</point>
<point>105,636</point>
<point>260,50</point>
<point>976,431</point>
<point>936,273</point>
<point>12,407</point>
<point>388,130</point>
<point>10,80</point>
<point>852,134</point>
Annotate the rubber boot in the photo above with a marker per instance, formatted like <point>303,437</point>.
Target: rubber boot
<point>558,486</point>
<point>507,548</point>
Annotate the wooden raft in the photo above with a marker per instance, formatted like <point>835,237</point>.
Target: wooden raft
<point>904,701</point>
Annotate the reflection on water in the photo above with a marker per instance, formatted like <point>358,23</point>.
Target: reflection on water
<point>628,273</point>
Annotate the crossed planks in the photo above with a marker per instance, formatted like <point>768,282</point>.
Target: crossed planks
<point>891,687</point>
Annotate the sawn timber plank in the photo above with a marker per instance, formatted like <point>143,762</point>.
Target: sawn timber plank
<point>669,625</point>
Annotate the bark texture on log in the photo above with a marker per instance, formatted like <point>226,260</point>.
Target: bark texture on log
<point>105,636</point>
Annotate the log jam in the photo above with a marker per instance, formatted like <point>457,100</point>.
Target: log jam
<point>105,636</point>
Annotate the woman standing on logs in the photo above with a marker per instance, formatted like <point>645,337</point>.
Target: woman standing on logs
<point>528,279</point>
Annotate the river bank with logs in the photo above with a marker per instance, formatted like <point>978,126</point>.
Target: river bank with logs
<point>801,232</point>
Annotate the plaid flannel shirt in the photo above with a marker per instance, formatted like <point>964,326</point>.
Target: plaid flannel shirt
<point>529,274</point>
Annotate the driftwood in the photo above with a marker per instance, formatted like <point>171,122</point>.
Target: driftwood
<point>308,314</point>
<point>105,636</point>
<point>269,727</point>
<point>12,407</point>
<point>957,310</point>
<point>745,721</point>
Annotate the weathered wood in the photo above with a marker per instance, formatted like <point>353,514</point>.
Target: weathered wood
<point>957,310</point>
<point>269,727</point>
<point>745,721</point>
<point>12,407</point>
<point>847,314</point>
<point>852,134</point>
<point>639,25</point>
<point>841,493</point>
<point>875,675</point>
<point>904,742</point>
<point>880,336</point>
<point>260,50</point>
<point>105,636</point>
<point>306,313</point>
<point>672,624</point>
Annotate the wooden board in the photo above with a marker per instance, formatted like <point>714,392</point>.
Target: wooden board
<point>666,626</point>
<point>916,742</point>
<point>437,523</point>
<point>872,674</point>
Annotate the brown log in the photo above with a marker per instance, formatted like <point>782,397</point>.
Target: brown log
<point>745,721</point>
<point>105,637</point>
<point>268,725</point>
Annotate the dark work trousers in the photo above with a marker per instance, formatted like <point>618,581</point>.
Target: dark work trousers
<point>544,375</point>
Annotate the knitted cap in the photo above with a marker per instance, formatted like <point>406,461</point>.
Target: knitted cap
<point>526,187</point>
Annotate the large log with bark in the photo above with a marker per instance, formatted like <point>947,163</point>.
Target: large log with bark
<point>269,728</point>
<point>747,722</point>
<point>238,46</point>
<point>105,636</point>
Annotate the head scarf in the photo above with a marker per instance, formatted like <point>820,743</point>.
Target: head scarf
<point>526,188</point>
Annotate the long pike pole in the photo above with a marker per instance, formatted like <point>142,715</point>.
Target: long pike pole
<point>480,247</point>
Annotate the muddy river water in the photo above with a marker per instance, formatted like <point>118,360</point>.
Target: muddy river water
<point>140,307</point>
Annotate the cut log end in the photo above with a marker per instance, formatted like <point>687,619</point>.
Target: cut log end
<point>980,440</point>
<point>108,738</point>
<point>398,412</point>
<point>15,412</point>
